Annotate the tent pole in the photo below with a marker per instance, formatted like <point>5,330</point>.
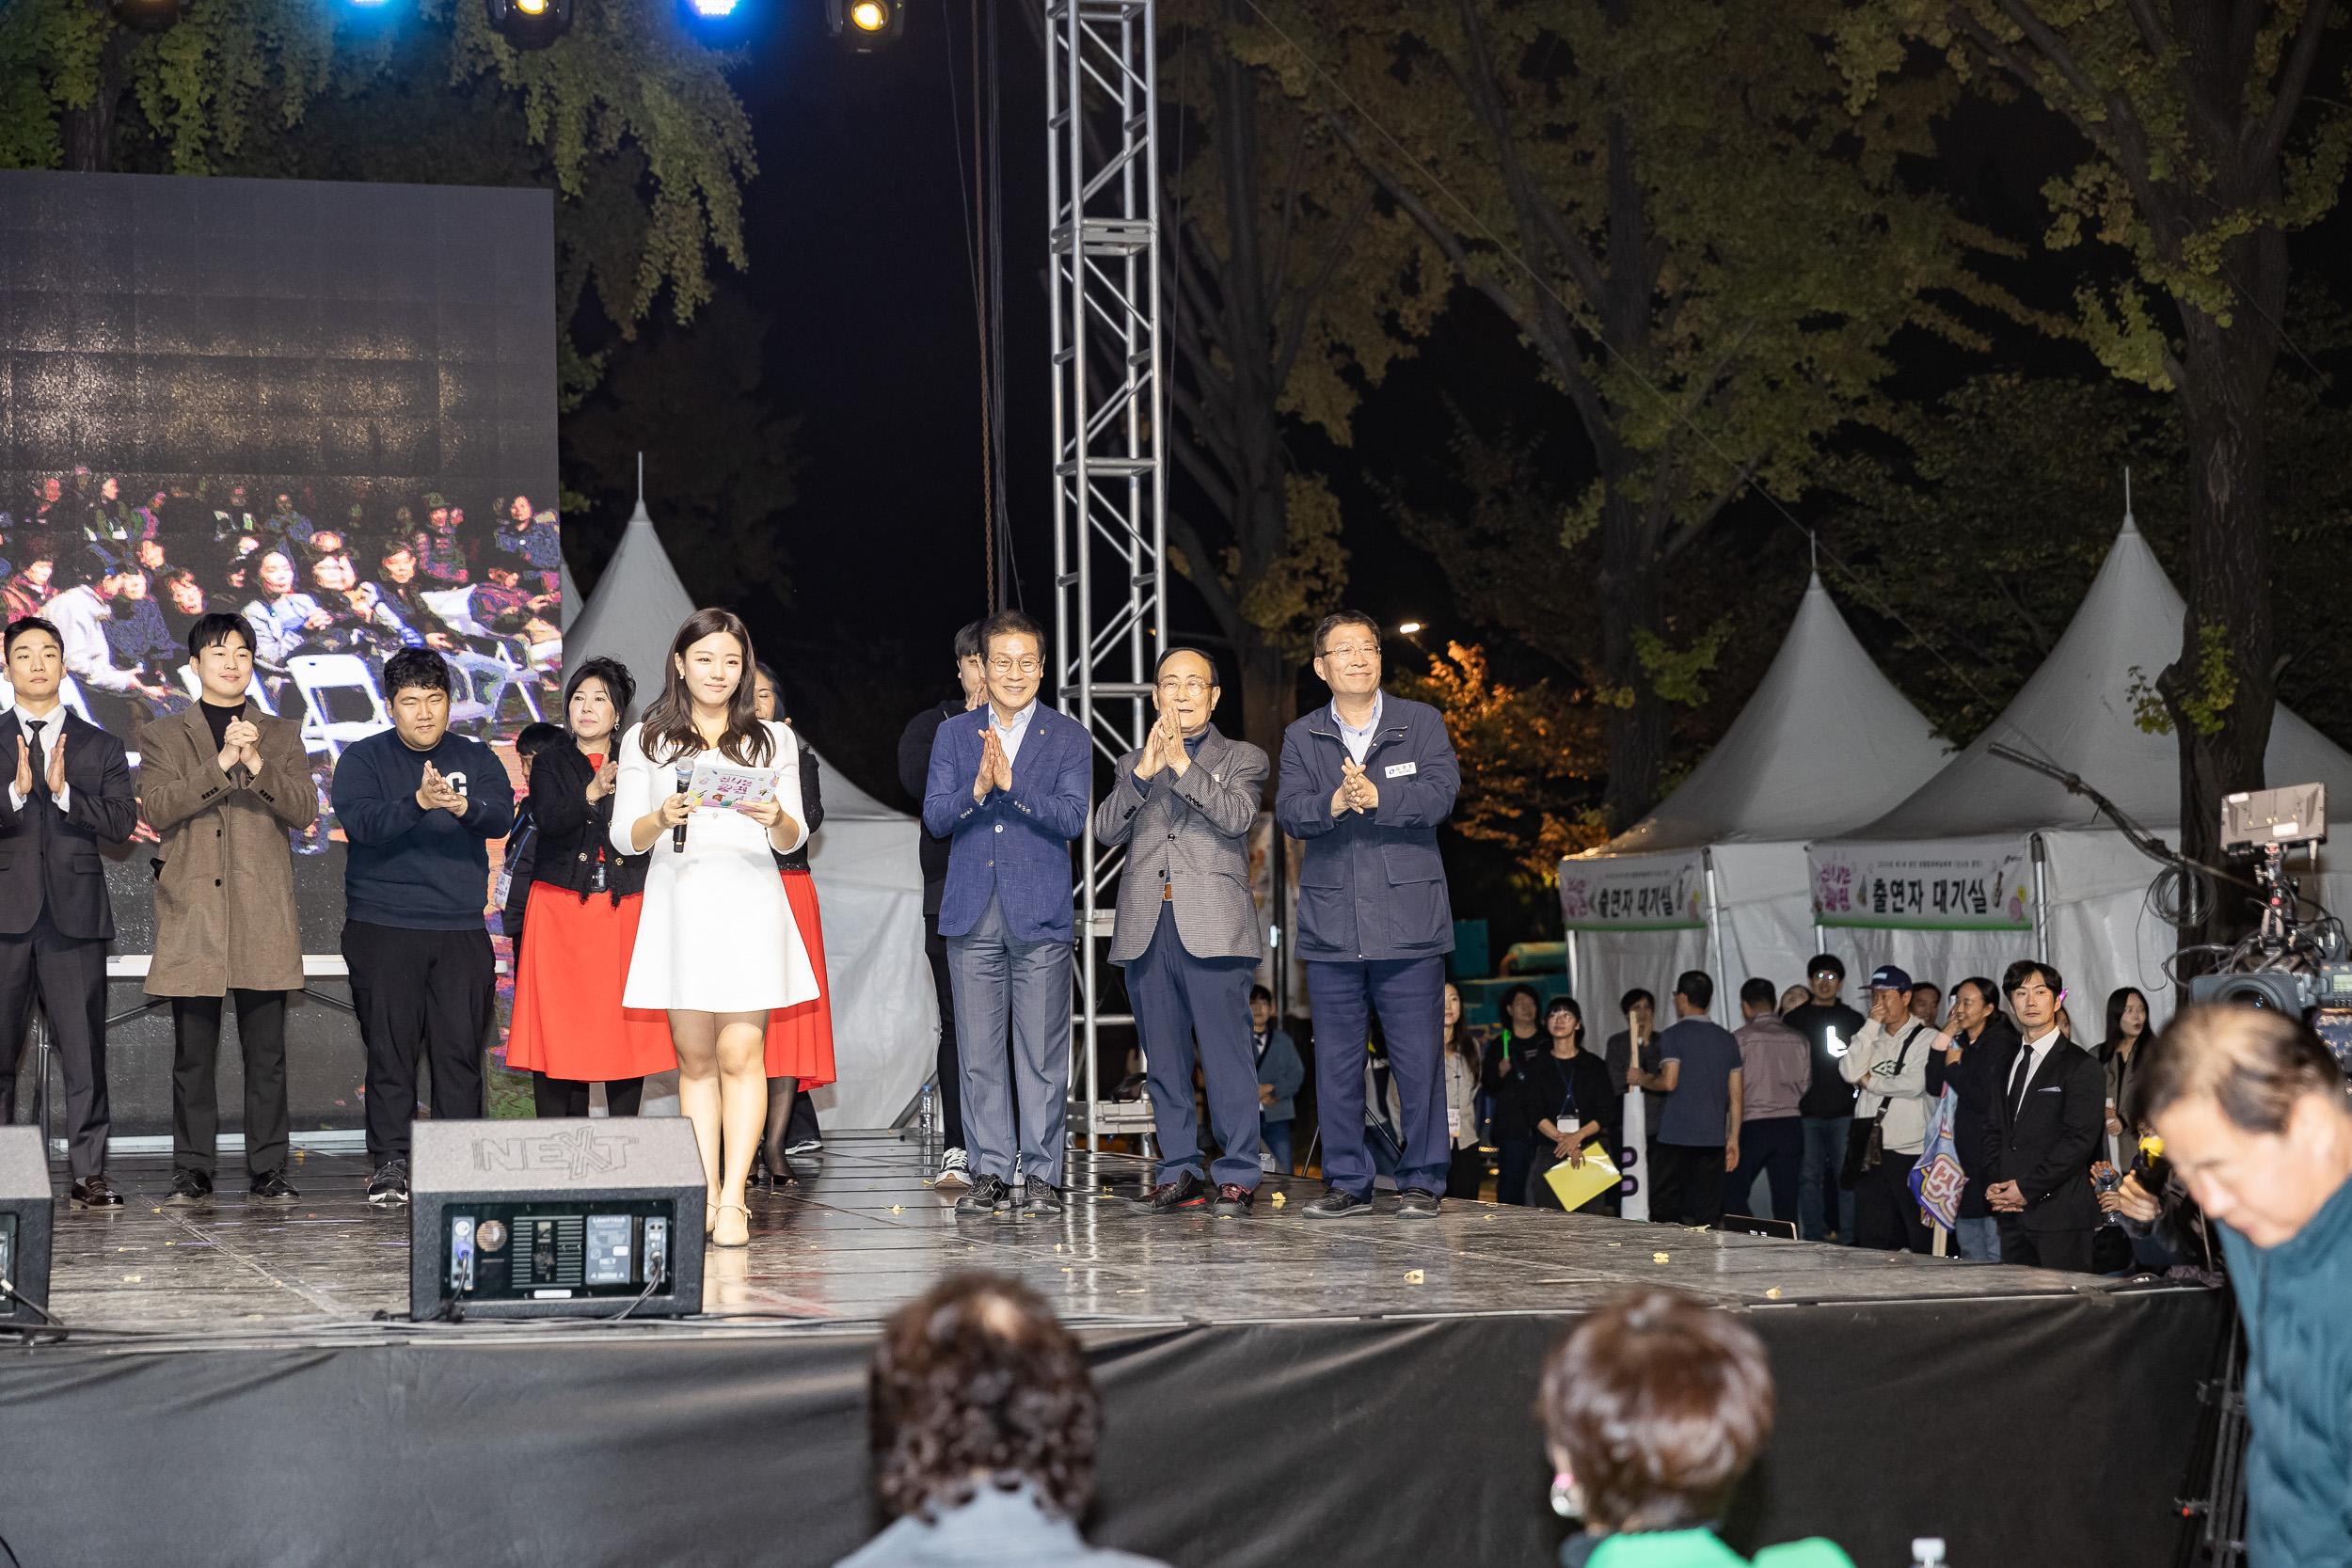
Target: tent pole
<point>1576,981</point>
<point>1715,937</point>
<point>2041,902</point>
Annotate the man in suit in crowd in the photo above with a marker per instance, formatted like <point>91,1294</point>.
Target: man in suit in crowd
<point>1009,786</point>
<point>1365,781</point>
<point>1187,932</point>
<point>68,787</point>
<point>2045,1123</point>
<point>914,767</point>
<point>222,784</point>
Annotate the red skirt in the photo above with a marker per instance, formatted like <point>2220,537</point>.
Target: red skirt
<point>568,1018</point>
<point>799,1040</point>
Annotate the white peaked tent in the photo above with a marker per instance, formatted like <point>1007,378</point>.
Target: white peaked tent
<point>1714,878</point>
<point>885,1015</point>
<point>1990,860</point>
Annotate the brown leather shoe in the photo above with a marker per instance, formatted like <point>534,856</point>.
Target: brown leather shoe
<point>96,1192</point>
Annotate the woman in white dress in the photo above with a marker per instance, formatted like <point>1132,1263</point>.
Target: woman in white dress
<point>717,946</point>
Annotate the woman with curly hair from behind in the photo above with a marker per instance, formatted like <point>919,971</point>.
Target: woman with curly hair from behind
<point>984,1429</point>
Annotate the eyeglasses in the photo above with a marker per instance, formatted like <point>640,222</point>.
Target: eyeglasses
<point>1348,650</point>
<point>1190,686</point>
<point>1007,666</point>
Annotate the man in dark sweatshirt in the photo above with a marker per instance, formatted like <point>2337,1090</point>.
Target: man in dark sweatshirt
<point>914,767</point>
<point>419,806</point>
<point>1823,1204</point>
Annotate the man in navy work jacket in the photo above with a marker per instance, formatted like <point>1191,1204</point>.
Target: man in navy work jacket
<point>1365,783</point>
<point>1008,786</point>
<point>419,806</point>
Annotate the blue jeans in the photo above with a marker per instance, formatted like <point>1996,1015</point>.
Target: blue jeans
<point>1980,1240</point>
<point>1276,1135</point>
<point>1824,1163</point>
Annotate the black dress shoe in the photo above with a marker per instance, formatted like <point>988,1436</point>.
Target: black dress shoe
<point>1188,1191</point>
<point>1040,1198</point>
<point>1417,1203</point>
<point>96,1192</point>
<point>189,1189</point>
<point>1233,1202</point>
<point>271,1186</point>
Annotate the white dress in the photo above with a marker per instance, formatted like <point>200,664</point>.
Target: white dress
<point>715,935</point>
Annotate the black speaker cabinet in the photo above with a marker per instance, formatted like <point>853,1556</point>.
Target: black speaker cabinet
<point>25,1209</point>
<point>562,1218</point>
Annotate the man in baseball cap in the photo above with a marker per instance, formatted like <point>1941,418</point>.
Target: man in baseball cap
<point>1888,1064</point>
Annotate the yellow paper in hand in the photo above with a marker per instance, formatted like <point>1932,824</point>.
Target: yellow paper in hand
<point>1576,1186</point>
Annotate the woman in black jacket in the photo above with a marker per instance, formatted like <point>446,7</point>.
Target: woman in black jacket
<point>1565,1096</point>
<point>580,927</point>
<point>1498,1080</point>
<point>1973,1055</point>
<point>799,1038</point>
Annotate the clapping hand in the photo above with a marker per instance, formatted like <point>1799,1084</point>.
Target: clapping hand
<point>1357,785</point>
<point>607,777</point>
<point>240,742</point>
<point>55,772</point>
<point>1169,731</point>
<point>436,793</point>
<point>991,752</point>
<point>24,768</point>
<point>1154,756</point>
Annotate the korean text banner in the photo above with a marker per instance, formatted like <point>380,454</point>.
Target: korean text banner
<point>1641,893</point>
<point>1922,887</point>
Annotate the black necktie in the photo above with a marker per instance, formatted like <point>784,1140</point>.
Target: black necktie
<point>2025,1078</point>
<point>40,759</point>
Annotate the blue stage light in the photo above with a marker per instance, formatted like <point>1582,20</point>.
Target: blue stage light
<point>711,9</point>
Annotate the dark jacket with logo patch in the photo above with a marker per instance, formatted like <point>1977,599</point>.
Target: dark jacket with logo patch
<point>1370,884</point>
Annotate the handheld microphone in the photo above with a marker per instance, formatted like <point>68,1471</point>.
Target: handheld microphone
<point>678,835</point>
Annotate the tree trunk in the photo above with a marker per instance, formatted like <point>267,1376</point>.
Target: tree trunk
<point>89,133</point>
<point>2226,378</point>
<point>1269,701</point>
<point>1629,604</point>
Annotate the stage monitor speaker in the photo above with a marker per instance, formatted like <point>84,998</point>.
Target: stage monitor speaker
<point>558,1218</point>
<point>26,1208</point>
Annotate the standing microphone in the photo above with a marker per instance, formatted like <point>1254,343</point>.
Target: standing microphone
<point>685,775</point>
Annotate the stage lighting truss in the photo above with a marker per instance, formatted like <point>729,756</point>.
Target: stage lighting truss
<point>866,26</point>
<point>530,24</point>
<point>1110,557</point>
<point>147,16</point>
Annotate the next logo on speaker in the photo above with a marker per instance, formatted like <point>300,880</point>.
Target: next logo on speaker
<point>577,1153</point>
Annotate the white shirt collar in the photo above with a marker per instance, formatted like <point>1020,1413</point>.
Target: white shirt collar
<point>1019,722</point>
<point>1369,725</point>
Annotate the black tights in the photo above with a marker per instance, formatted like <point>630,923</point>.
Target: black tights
<point>780,1091</point>
<point>569,1097</point>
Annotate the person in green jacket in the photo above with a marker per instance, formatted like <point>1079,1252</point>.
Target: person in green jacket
<point>1653,1409</point>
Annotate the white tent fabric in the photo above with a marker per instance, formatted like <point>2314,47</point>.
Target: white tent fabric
<point>869,887</point>
<point>569,591</point>
<point>1826,742</point>
<point>2076,712</point>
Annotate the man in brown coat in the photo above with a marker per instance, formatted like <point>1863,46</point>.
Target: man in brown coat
<point>222,784</point>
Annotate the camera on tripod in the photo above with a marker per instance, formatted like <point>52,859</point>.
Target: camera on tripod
<point>2291,964</point>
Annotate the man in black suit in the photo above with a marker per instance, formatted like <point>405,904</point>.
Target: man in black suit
<point>915,766</point>
<point>69,786</point>
<point>2045,1123</point>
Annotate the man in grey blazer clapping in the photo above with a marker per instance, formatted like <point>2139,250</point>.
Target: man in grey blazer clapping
<point>1187,932</point>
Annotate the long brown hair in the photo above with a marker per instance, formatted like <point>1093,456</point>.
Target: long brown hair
<point>670,733</point>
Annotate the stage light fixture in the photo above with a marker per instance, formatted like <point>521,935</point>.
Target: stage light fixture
<point>147,16</point>
<point>1410,628</point>
<point>711,11</point>
<point>864,25</point>
<point>530,24</point>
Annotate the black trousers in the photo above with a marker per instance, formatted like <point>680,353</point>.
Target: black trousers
<point>1465,1174</point>
<point>419,994</point>
<point>2069,1250</point>
<point>951,1065</point>
<point>569,1097</point>
<point>67,975</point>
<point>1689,1189</point>
<point>1886,1215</point>
<point>195,1072</point>
<point>1775,1147</point>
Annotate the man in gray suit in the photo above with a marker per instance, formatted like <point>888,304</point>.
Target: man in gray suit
<point>1187,931</point>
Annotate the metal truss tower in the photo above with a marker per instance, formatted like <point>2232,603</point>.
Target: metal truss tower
<point>1110,571</point>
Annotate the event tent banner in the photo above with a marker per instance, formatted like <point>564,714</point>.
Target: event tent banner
<point>1637,893</point>
<point>1959,886</point>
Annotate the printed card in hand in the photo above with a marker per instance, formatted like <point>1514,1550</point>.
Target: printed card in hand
<point>723,786</point>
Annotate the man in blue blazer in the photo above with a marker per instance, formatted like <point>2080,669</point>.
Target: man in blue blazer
<point>1365,781</point>
<point>1008,787</point>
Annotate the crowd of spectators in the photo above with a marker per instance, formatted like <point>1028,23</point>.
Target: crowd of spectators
<point>125,577</point>
<point>1814,1114</point>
